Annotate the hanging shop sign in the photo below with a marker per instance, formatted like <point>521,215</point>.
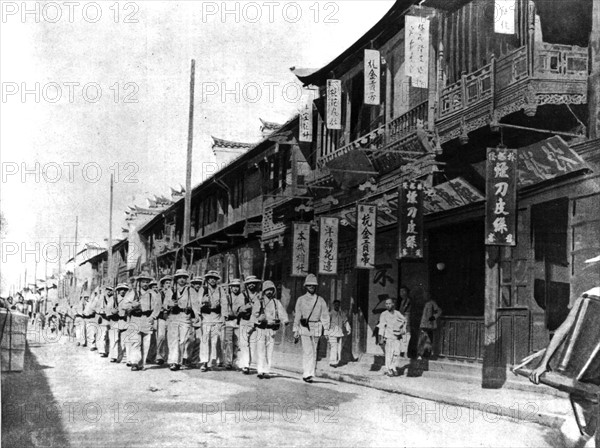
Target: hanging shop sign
<point>372,78</point>
<point>334,104</point>
<point>410,220</point>
<point>328,245</point>
<point>504,16</point>
<point>306,118</point>
<point>300,249</point>
<point>416,47</point>
<point>366,225</point>
<point>501,197</point>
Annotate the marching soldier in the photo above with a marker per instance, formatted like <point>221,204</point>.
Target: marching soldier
<point>338,328</point>
<point>165,292</point>
<point>91,324</point>
<point>269,314</point>
<point>118,323</point>
<point>79,322</point>
<point>243,308</point>
<point>232,328</point>
<point>214,303</point>
<point>179,321</point>
<point>144,308</point>
<point>103,322</point>
<point>194,345</point>
<point>154,285</point>
<point>310,319</point>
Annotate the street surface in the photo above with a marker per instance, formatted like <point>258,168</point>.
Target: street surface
<point>69,396</point>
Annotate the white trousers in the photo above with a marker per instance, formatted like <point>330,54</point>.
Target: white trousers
<point>91,330</point>
<point>161,339</point>
<point>309,355</point>
<point>392,353</point>
<point>179,333</point>
<point>102,339</point>
<point>265,343</point>
<point>211,333</point>
<point>247,341</point>
<point>80,335</point>
<point>117,343</point>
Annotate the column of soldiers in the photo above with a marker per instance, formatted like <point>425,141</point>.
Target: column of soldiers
<point>194,322</point>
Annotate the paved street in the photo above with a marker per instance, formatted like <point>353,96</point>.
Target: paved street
<point>69,396</point>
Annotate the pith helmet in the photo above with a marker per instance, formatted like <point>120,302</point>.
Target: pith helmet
<point>252,279</point>
<point>165,278</point>
<point>197,280</point>
<point>142,276</point>
<point>213,274</point>
<point>153,282</point>
<point>311,280</point>
<point>181,273</point>
<point>235,282</point>
<point>108,288</point>
<point>122,286</point>
<point>268,285</point>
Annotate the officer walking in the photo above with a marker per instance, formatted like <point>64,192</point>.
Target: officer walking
<point>118,324</point>
<point>310,319</point>
<point>144,308</point>
<point>269,314</point>
<point>165,292</point>
<point>179,320</point>
<point>243,308</point>
<point>214,306</point>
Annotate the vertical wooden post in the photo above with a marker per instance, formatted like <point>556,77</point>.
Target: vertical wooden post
<point>109,264</point>
<point>188,174</point>
<point>494,370</point>
<point>594,79</point>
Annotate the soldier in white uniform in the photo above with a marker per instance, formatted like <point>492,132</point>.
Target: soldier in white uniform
<point>391,329</point>
<point>143,310</point>
<point>197,293</point>
<point>104,299</point>
<point>269,314</point>
<point>91,325</point>
<point>214,308</point>
<point>118,323</point>
<point>165,292</point>
<point>231,333</point>
<point>310,319</point>
<point>242,306</point>
<point>179,321</point>
<point>338,328</point>
<point>79,321</point>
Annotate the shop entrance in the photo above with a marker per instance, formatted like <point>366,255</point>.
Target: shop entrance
<point>457,284</point>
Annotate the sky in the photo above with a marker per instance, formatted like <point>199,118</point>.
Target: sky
<point>91,89</point>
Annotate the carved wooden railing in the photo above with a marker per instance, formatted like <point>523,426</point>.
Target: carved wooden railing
<point>551,61</point>
<point>555,61</point>
<point>382,136</point>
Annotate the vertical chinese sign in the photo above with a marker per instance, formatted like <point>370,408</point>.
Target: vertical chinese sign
<point>416,49</point>
<point>333,114</point>
<point>372,78</point>
<point>328,245</point>
<point>306,118</point>
<point>504,16</point>
<point>501,197</point>
<point>366,225</point>
<point>300,248</point>
<point>410,220</point>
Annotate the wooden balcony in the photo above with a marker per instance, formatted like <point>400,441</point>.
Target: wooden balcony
<point>521,80</point>
<point>386,146</point>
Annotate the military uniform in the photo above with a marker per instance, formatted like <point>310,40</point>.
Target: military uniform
<point>231,333</point>
<point>311,310</point>
<point>214,304</point>
<point>143,310</point>
<point>161,324</point>
<point>268,315</point>
<point>179,321</point>
<point>91,324</point>
<point>242,307</point>
<point>80,324</point>
<point>117,316</point>
<point>103,322</point>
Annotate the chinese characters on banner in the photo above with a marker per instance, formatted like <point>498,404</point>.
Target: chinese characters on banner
<point>501,197</point>
<point>366,225</point>
<point>504,16</point>
<point>328,245</point>
<point>416,48</point>
<point>372,78</point>
<point>306,118</point>
<point>333,114</point>
<point>300,251</point>
<point>410,220</point>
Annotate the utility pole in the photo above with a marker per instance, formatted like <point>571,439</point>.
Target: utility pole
<point>109,251</point>
<point>58,284</point>
<point>187,213</point>
<point>75,255</point>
